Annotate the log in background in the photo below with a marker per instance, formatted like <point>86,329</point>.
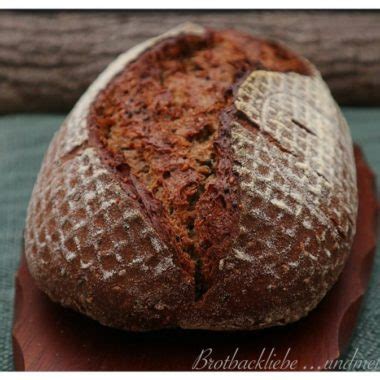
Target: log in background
<point>48,59</point>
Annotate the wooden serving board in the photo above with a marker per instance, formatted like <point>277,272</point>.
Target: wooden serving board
<point>49,337</point>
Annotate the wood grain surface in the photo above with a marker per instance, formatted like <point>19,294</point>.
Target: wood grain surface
<point>48,59</point>
<point>49,337</point>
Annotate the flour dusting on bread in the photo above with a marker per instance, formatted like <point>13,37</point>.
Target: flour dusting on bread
<point>282,167</point>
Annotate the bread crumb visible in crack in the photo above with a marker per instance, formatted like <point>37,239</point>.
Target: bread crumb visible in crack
<point>150,125</point>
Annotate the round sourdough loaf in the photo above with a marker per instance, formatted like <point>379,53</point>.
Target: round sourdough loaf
<point>205,180</point>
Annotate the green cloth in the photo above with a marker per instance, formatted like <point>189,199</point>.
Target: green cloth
<point>23,141</point>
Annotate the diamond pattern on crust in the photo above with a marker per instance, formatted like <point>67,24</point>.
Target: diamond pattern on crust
<point>293,154</point>
<point>298,113</point>
<point>81,211</point>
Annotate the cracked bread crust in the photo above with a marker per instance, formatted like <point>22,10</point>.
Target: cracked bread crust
<point>100,241</point>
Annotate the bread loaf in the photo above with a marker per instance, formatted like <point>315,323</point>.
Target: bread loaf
<point>205,180</point>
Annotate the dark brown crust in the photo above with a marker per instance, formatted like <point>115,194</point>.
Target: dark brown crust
<point>128,270</point>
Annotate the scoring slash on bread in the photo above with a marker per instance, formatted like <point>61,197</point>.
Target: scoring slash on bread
<point>205,180</point>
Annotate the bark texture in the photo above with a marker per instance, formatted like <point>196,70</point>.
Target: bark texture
<point>47,59</point>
